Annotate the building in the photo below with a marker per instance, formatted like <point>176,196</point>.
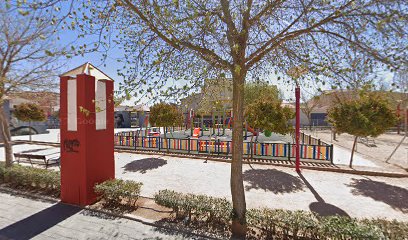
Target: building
<point>48,102</point>
<point>320,105</point>
<point>215,95</point>
<point>131,116</point>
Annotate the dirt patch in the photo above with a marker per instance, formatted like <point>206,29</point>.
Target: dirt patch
<point>144,208</point>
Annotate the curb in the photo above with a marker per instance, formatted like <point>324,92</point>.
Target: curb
<point>106,212</point>
<point>143,221</point>
<point>330,168</point>
<point>28,195</point>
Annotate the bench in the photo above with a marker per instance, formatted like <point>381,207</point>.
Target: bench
<point>37,159</point>
<point>367,141</point>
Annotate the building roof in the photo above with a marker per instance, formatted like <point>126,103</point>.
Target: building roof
<point>136,108</point>
<point>329,98</point>
<point>89,69</point>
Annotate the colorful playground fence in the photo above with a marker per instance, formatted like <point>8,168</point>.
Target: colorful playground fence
<point>310,140</point>
<point>218,147</point>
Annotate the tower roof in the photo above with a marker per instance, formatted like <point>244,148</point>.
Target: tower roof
<point>89,69</point>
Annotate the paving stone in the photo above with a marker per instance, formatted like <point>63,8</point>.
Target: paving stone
<point>23,218</point>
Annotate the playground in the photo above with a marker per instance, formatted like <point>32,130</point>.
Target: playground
<point>265,186</point>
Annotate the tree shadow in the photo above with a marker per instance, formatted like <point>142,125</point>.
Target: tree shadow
<point>144,165</point>
<point>321,207</point>
<point>98,214</point>
<point>394,196</point>
<point>272,180</point>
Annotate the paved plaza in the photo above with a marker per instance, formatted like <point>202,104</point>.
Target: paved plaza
<point>22,218</point>
<point>266,186</point>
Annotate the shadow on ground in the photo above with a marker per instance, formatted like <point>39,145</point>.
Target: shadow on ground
<point>144,165</point>
<point>326,209</point>
<point>98,214</point>
<point>39,222</point>
<point>394,196</point>
<point>272,180</point>
<point>34,150</point>
<point>321,207</point>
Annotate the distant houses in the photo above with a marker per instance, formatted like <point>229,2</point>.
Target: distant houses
<point>125,116</point>
<point>216,94</point>
<point>131,116</point>
<point>318,106</point>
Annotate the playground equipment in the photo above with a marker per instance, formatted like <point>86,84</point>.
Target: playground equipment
<point>196,132</point>
<point>84,161</point>
<point>313,149</point>
<point>248,128</point>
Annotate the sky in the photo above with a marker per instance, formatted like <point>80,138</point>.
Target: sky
<point>110,67</point>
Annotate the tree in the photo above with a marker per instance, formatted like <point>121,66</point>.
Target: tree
<point>257,92</point>
<point>260,90</point>
<point>165,115</point>
<point>28,58</point>
<point>188,41</point>
<point>269,115</point>
<point>368,115</point>
<point>29,112</point>
<point>309,104</point>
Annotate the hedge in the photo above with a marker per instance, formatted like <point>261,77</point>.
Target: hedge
<point>2,170</point>
<point>199,207</point>
<point>115,192</point>
<point>29,177</point>
<point>268,223</point>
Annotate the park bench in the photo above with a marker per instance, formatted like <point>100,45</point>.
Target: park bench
<point>37,159</point>
<point>367,141</point>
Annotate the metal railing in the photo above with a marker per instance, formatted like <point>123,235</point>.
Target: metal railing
<point>287,151</point>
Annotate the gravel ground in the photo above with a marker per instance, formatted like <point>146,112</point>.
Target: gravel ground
<point>378,154</point>
<point>275,187</point>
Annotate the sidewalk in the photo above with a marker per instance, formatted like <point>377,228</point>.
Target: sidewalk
<point>22,218</point>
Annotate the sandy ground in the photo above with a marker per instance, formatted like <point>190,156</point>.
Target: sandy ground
<point>275,187</point>
<point>378,154</point>
<point>267,186</point>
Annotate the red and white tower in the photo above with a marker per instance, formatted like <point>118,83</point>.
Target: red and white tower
<point>87,122</point>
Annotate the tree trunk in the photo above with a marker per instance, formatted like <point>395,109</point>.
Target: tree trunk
<point>252,147</point>
<point>29,130</point>
<point>5,131</point>
<point>237,185</point>
<point>166,141</point>
<point>352,151</point>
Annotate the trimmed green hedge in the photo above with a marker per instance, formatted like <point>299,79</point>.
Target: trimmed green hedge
<point>200,207</point>
<point>2,170</point>
<point>29,177</point>
<point>391,229</point>
<point>268,223</point>
<point>116,191</point>
<point>278,222</point>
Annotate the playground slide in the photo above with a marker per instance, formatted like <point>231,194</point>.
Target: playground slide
<point>252,130</point>
<point>196,132</point>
